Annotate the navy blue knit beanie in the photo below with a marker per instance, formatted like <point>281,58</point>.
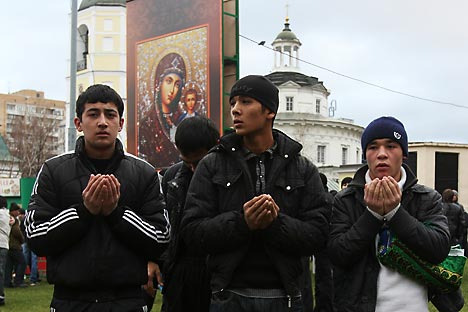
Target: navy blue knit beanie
<point>385,128</point>
<point>259,88</point>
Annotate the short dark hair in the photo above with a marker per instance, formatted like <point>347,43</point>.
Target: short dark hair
<point>14,206</point>
<point>447,196</point>
<point>346,180</point>
<point>194,133</point>
<point>99,93</point>
<point>3,202</point>
<point>324,180</point>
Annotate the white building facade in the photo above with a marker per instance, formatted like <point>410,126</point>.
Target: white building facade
<point>304,113</point>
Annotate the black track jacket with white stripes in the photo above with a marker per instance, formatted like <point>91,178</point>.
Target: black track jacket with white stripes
<point>88,251</point>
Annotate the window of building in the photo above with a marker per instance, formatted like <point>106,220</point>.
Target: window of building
<point>412,162</point>
<point>82,48</point>
<point>446,171</point>
<point>344,155</point>
<point>107,25</point>
<point>107,43</point>
<point>358,159</point>
<point>321,154</point>
<point>11,107</point>
<point>289,103</point>
<point>317,106</point>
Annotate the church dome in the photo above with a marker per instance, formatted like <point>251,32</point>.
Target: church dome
<point>286,34</point>
<point>89,3</point>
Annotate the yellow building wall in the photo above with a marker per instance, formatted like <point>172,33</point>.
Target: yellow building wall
<point>107,62</point>
<point>115,22</point>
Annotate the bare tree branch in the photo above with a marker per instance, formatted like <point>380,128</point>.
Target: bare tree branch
<point>33,139</point>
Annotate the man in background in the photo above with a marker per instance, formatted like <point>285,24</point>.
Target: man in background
<point>384,199</point>
<point>345,182</point>
<point>29,256</point>
<point>185,272</point>
<point>15,260</point>
<point>5,228</point>
<point>323,269</point>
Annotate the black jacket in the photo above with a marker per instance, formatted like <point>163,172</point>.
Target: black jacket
<point>419,223</point>
<point>186,280</point>
<point>96,252</point>
<point>456,221</point>
<point>175,185</point>
<point>214,210</point>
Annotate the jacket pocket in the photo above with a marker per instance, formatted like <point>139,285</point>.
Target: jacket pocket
<point>288,194</point>
<point>230,191</point>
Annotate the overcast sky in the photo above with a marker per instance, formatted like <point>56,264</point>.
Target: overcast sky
<point>417,47</point>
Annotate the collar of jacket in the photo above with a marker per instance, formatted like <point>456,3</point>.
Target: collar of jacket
<point>359,179</point>
<point>119,154</point>
<point>180,173</point>
<point>286,145</point>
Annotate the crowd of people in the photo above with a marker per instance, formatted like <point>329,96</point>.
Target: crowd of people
<point>15,255</point>
<point>235,224</point>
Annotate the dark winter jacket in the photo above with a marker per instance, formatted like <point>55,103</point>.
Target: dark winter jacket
<point>185,273</point>
<point>214,210</point>
<point>16,236</point>
<point>456,221</point>
<point>419,223</point>
<point>97,252</point>
<point>175,185</point>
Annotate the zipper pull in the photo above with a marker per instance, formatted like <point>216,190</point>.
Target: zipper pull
<point>289,301</point>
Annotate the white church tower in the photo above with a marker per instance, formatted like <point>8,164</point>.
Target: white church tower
<point>286,46</point>
<point>333,144</point>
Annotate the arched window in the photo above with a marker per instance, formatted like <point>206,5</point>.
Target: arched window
<point>82,48</point>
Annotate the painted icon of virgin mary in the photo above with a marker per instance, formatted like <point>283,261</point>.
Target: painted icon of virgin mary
<point>157,129</point>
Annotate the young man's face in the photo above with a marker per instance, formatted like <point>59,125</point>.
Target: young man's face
<point>100,123</point>
<point>249,116</point>
<point>384,158</point>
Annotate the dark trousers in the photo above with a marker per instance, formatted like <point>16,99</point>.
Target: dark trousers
<point>226,301</point>
<point>324,291</point>
<point>188,279</point>
<point>15,262</point>
<point>3,258</point>
<point>31,259</point>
